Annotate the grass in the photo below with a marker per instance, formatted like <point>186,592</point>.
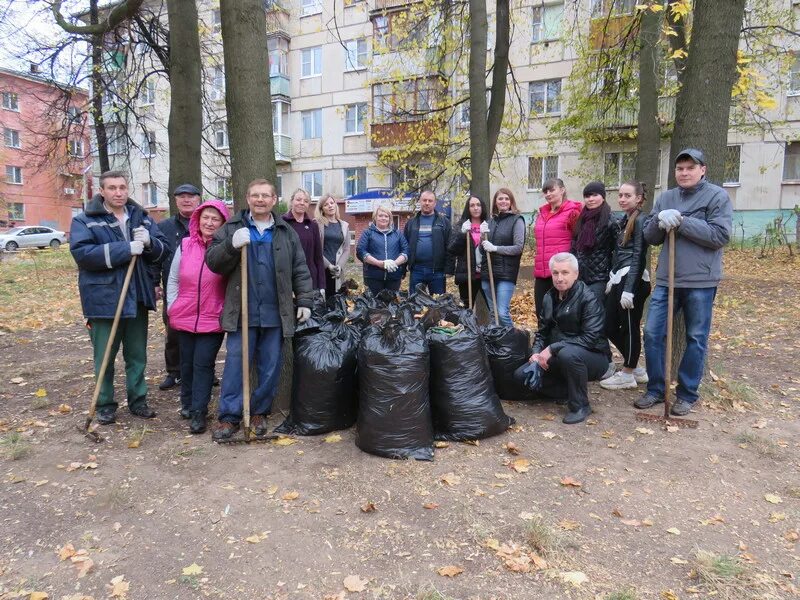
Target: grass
<point>543,539</point>
<point>759,444</point>
<point>431,593</point>
<point>727,578</point>
<point>14,446</point>
<point>40,403</point>
<point>624,594</point>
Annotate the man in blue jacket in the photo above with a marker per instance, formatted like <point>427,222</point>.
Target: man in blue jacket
<point>701,215</point>
<point>428,235</point>
<point>103,240</point>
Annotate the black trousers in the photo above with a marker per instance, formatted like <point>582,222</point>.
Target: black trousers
<point>375,285</point>
<point>569,375</point>
<point>172,349</point>
<point>330,284</point>
<point>541,286</point>
<point>623,327</point>
<point>463,291</point>
<point>198,353</point>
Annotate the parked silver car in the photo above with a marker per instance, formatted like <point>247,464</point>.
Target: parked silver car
<point>35,236</point>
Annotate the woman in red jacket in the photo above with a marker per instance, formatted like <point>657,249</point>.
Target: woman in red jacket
<point>195,297</point>
<point>553,230</point>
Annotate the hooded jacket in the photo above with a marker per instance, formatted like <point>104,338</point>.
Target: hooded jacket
<point>382,245</point>
<point>102,252</point>
<point>553,232</point>
<point>200,292</point>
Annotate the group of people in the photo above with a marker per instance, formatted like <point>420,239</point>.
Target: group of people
<point>591,283</point>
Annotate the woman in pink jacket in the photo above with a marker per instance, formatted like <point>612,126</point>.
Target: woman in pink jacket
<point>195,296</point>
<point>553,230</point>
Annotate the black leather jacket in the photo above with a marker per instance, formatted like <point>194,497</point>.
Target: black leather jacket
<point>595,264</point>
<point>577,319</point>
<point>633,254</point>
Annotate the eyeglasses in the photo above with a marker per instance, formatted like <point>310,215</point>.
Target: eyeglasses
<point>262,196</point>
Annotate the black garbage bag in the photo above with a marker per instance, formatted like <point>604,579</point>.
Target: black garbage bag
<point>464,403</point>
<point>507,348</point>
<point>394,412</point>
<point>324,380</point>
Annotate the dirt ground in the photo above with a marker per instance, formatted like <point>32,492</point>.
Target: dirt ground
<point>613,508</point>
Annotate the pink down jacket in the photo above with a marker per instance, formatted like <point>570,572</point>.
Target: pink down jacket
<point>554,233</point>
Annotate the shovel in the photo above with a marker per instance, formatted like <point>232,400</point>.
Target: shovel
<point>469,269</point>
<point>491,285</point>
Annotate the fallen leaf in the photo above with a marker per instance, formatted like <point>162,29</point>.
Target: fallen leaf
<point>135,442</point>
<point>574,578</point>
<point>192,569</point>
<point>570,482</point>
<point>333,438</point>
<point>450,479</point>
<point>64,409</point>
<point>41,393</point>
<point>440,444</point>
<point>17,380</point>
<point>527,516</point>
<point>631,522</point>
<point>119,587</point>
<point>284,441</point>
<point>38,596</point>
<point>521,465</point>
<point>67,551</point>
<point>353,583</point>
<point>568,524</point>
<point>677,560</point>
<point>368,507</point>
<point>760,424</point>
<point>548,434</point>
<point>511,448</point>
<point>674,531</point>
<point>776,516</point>
<point>668,595</point>
<point>773,498</point>
<point>290,496</point>
<point>644,431</point>
<point>337,596</point>
<point>430,505</point>
<point>84,564</point>
<point>253,539</point>
<point>471,442</point>
<point>672,428</point>
<point>272,490</point>
<point>538,561</point>
<point>791,536</point>
<point>449,571</point>
<point>492,544</point>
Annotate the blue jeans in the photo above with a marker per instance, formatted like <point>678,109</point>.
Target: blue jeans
<point>504,291</point>
<point>696,304</point>
<point>433,280</point>
<point>198,354</point>
<point>265,354</point>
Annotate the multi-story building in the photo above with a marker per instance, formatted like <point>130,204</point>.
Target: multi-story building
<point>45,151</point>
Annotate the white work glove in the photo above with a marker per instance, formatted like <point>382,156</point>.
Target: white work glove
<point>466,226</point>
<point>390,266</point>
<point>337,270</point>
<point>484,227</point>
<point>488,246</point>
<point>626,301</point>
<point>241,237</point>
<point>322,293</point>
<point>303,314</point>
<point>609,285</point>
<point>137,247</point>
<point>140,234</point>
<point>669,219</point>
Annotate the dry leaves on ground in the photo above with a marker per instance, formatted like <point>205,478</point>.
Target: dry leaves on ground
<point>354,583</point>
<point>449,571</point>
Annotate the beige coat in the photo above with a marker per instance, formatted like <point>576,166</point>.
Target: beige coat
<point>342,254</point>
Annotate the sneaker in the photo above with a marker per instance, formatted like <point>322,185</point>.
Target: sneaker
<point>647,400</point>
<point>680,408</point>
<point>142,410</point>
<point>106,416</point>
<point>612,368</point>
<point>170,381</point>
<point>577,416</point>
<point>619,381</point>
<point>224,430</point>
<point>640,374</point>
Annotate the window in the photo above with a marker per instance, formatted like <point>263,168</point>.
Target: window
<point>11,137</point>
<point>355,181</point>
<point>16,211</point>
<point>149,194</point>
<point>794,78</point>
<point>311,7</point>
<point>733,157</point>
<point>216,19</point>
<point>224,189</point>
<point>217,91</point>
<point>312,183</point>
<point>540,169</point>
<point>791,162</point>
<point>545,97</point>
<point>547,22</point>
<point>597,8</point>
<point>280,118</point>
<point>278,48</point>
<point>279,186</point>
<point>402,29</point>
<point>622,7</point>
<point>618,167</point>
<point>409,100</point>
<point>117,142</point>
<point>355,116</point>
<point>13,174</point>
<point>221,136</point>
<point>312,123</point>
<point>76,148</point>
<point>10,101</point>
<point>148,143</point>
<point>380,29</point>
<point>148,92</point>
<point>73,114</point>
<point>311,62</point>
<point>355,55</point>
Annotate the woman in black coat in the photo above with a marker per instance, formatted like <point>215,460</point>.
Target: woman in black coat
<point>594,238</point>
<point>474,214</point>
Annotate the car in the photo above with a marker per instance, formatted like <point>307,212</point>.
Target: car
<point>35,236</point>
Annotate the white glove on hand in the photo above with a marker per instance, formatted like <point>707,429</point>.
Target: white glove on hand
<point>303,314</point>
<point>140,234</point>
<point>669,219</point>
<point>488,246</point>
<point>466,226</point>
<point>484,227</point>
<point>137,247</point>
<point>241,237</point>
<point>626,301</point>
<point>322,293</point>
<point>390,266</point>
<point>337,270</point>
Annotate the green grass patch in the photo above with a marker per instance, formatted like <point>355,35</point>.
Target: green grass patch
<point>14,446</point>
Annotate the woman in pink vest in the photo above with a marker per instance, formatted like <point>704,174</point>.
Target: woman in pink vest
<point>195,296</point>
<point>553,230</point>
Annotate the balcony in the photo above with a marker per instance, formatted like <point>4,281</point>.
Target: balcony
<point>279,85</point>
<point>283,148</point>
<point>389,5</point>
<point>383,135</point>
<point>623,118</point>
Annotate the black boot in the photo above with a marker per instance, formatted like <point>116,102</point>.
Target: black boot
<point>577,415</point>
<point>186,413</point>
<point>198,423</point>
<point>141,409</point>
<point>106,416</point>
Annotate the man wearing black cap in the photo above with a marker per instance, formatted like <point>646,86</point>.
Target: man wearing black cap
<point>175,228</point>
<point>701,215</point>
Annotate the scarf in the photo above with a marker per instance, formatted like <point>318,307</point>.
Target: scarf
<point>590,221</point>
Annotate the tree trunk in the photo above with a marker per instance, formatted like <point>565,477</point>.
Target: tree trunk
<point>98,87</point>
<point>185,109</point>
<point>497,103</point>
<point>478,129</point>
<point>648,139</point>
<point>703,104</point>
<point>247,94</point>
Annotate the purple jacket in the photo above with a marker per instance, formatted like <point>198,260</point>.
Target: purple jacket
<point>308,232</point>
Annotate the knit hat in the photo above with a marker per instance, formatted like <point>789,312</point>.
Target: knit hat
<point>594,187</point>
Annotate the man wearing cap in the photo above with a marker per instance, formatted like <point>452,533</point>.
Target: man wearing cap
<point>701,214</point>
<point>175,228</point>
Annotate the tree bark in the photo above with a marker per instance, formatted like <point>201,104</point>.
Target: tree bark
<point>703,104</point>
<point>648,139</point>
<point>497,102</point>
<point>185,112</point>
<point>247,94</point>
<point>98,87</point>
<point>478,128</point>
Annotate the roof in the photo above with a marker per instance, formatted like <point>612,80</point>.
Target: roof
<point>39,78</point>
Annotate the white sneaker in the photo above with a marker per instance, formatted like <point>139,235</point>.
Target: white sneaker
<point>612,368</point>
<point>619,381</point>
<point>640,374</point>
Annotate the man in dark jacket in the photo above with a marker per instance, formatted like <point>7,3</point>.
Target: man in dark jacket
<point>175,228</point>
<point>277,276</point>
<point>569,346</point>
<point>103,241</point>
<point>701,215</point>
<point>428,235</point>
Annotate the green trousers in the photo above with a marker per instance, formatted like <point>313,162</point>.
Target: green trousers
<point>132,334</point>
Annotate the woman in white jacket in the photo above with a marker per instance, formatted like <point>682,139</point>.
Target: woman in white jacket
<point>335,236</point>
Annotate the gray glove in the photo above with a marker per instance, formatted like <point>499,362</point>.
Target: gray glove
<point>140,234</point>
<point>322,293</point>
<point>466,226</point>
<point>137,247</point>
<point>626,301</point>
<point>669,219</point>
<point>390,265</point>
<point>241,237</point>
<point>303,314</point>
<point>484,227</point>
<point>489,246</point>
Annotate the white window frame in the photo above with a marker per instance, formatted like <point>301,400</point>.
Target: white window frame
<point>354,176</point>
<point>13,215</point>
<point>76,148</point>
<point>11,175</point>
<point>221,141</point>
<point>795,158</point>
<point>544,173</point>
<point>312,179</point>
<point>310,7</point>
<point>11,101</point>
<point>738,181</point>
<point>225,186</point>
<point>621,177</point>
<point>355,118</point>
<point>548,104</point>
<point>148,93</point>
<point>216,19</point>
<point>355,54</point>
<point>148,146</point>
<point>217,90</point>
<point>11,138</point>
<point>313,119</point>
<point>538,19</point>
<point>311,62</point>
<point>793,81</point>
<point>149,194</point>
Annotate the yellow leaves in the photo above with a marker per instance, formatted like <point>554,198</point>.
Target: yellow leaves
<point>570,482</point>
<point>652,7</point>
<point>353,583</point>
<point>192,570</point>
<point>521,465</point>
<point>83,562</point>
<point>775,517</point>
<point>450,479</point>
<point>284,441</point>
<point>38,596</point>
<point>67,551</point>
<point>64,409</point>
<point>449,571</point>
<point>773,498</point>
<point>568,524</point>
<point>765,101</point>
<point>118,588</point>
<point>290,496</point>
<point>441,444</point>
<point>574,578</point>
<point>680,9</point>
<point>679,54</point>
<point>332,438</point>
<point>668,595</point>
<point>41,393</point>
